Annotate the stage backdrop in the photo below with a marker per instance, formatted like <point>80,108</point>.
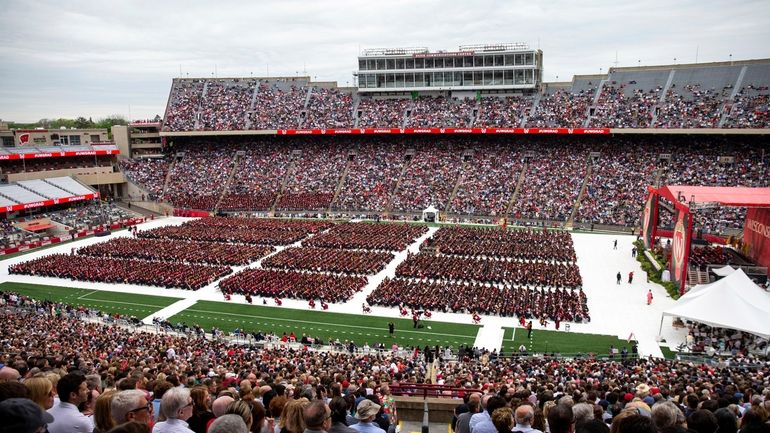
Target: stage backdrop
<point>756,235</point>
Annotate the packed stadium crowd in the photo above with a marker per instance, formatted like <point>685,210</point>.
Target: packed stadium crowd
<point>440,267</point>
<point>503,112</point>
<point>552,184</point>
<point>198,180</point>
<point>408,175</point>
<point>558,305</point>
<point>313,180</point>
<point>378,237</point>
<point>121,271</point>
<point>239,230</point>
<point>617,185</point>
<point>167,250</point>
<point>382,113</point>
<point>247,103</point>
<point>262,169</point>
<point>329,260</point>
<point>429,178</point>
<point>293,284</point>
<point>277,106</point>
<point>530,244</point>
<point>88,375</point>
<point>329,108</point>
<point>149,173</point>
<point>488,181</point>
<point>427,112</point>
<point>223,103</point>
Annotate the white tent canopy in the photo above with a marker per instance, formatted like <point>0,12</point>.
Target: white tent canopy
<point>734,302</point>
<point>430,214</point>
<point>724,271</point>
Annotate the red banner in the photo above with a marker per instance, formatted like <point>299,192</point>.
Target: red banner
<point>51,202</point>
<point>649,216</point>
<point>680,249</point>
<point>366,131</point>
<point>13,156</point>
<point>756,235</point>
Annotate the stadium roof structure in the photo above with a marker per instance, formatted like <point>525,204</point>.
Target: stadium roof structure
<point>733,302</point>
<point>694,197</point>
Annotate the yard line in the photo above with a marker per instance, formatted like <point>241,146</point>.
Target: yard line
<point>121,302</point>
<point>320,323</point>
<point>87,294</point>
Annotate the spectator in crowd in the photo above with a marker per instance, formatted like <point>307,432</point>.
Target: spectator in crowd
<point>131,405</point>
<point>502,419</point>
<point>21,415</point>
<point>486,425</point>
<point>366,412</point>
<point>72,390</point>
<point>561,419</point>
<point>339,412</point>
<point>201,409</point>
<point>41,391</point>
<point>317,417</point>
<point>177,408</point>
<point>103,421</point>
<point>524,417</point>
<point>229,423</point>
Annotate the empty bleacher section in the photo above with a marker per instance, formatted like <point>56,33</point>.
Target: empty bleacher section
<point>749,106</point>
<point>20,194</point>
<point>46,189</point>
<point>69,184</point>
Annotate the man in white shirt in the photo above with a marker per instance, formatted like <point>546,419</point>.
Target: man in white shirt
<point>73,390</point>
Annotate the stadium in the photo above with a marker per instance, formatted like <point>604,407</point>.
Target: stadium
<point>450,225</point>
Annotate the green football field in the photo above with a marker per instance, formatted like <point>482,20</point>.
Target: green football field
<point>565,343</point>
<point>130,304</point>
<point>359,328</point>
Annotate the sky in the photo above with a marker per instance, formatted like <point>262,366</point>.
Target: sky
<point>99,58</point>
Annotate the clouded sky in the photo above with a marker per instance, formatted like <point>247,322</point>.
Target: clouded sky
<point>96,58</point>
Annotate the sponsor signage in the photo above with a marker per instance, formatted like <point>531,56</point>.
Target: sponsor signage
<point>756,235</point>
<point>17,207</point>
<point>14,156</point>
<point>531,131</point>
<point>450,54</point>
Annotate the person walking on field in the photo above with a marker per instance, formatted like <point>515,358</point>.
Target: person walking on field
<point>619,277</point>
<point>529,330</point>
<point>649,296</point>
<point>630,277</point>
